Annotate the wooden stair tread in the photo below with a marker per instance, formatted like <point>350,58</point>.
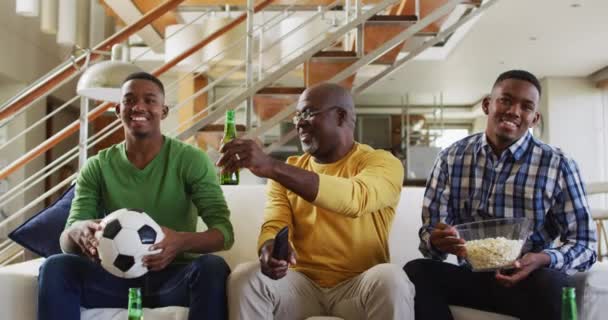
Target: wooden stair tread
<point>335,54</point>
<point>281,90</point>
<point>406,19</point>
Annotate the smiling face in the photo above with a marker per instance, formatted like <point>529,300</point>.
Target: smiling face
<point>316,133</point>
<point>512,109</point>
<point>141,108</point>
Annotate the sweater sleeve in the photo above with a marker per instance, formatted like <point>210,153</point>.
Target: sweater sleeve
<point>277,214</point>
<point>378,185</point>
<point>88,193</point>
<point>208,197</point>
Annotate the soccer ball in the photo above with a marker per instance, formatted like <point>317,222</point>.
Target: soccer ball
<point>124,239</point>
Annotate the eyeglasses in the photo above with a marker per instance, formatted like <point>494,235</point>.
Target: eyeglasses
<point>307,115</point>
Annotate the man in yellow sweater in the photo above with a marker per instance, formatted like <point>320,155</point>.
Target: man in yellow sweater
<point>338,200</point>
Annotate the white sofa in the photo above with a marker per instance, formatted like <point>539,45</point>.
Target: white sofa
<point>18,282</point>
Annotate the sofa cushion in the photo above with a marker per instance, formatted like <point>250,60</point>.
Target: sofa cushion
<point>40,234</point>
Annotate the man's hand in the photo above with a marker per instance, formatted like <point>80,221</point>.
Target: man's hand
<point>445,239</point>
<point>82,233</point>
<point>523,267</point>
<point>245,153</point>
<point>170,247</point>
<point>273,268</point>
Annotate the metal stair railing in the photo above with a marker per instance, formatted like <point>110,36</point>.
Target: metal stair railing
<point>95,113</point>
<point>70,155</point>
<point>366,59</point>
<point>206,89</point>
<point>283,69</point>
<point>370,57</point>
<point>45,172</point>
<point>66,71</point>
<point>238,97</point>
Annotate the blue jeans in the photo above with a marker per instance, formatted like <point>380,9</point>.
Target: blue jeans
<point>67,282</point>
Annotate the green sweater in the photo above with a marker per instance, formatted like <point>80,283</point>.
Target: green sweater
<point>179,183</point>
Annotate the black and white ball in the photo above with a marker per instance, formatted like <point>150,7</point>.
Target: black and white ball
<point>124,240</point>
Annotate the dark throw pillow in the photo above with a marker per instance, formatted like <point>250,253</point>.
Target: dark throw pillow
<point>40,234</point>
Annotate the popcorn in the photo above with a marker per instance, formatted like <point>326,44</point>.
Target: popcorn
<point>492,253</point>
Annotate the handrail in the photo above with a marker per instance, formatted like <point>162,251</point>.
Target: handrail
<point>45,118</point>
<point>95,113</point>
<point>41,89</point>
<point>24,91</point>
<point>282,70</point>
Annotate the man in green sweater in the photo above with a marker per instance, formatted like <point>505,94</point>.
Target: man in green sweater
<point>172,182</point>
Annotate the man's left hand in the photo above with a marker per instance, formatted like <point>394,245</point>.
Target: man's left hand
<point>170,247</point>
<point>523,267</point>
<point>245,153</point>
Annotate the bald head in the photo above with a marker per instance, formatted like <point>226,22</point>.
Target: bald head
<point>334,95</point>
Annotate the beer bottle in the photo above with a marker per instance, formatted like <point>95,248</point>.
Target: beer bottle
<point>569,304</point>
<point>229,134</point>
<point>135,311</point>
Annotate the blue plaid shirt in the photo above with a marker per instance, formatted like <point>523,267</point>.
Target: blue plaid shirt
<point>530,179</point>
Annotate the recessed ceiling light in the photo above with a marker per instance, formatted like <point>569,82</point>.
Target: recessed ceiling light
<point>533,38</point>
<point>575,5</point>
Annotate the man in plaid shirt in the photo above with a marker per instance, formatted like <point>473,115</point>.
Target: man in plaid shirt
<point>504,172</point>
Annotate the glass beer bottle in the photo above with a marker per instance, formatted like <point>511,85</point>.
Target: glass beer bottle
<point>230,178</point>
<point>569,311</point>
<point>135,311</point>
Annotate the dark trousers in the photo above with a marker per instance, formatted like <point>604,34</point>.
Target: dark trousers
<point>439,284</point>
<point>67,282</point>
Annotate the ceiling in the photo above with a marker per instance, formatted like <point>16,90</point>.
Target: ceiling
<point>551,38</point>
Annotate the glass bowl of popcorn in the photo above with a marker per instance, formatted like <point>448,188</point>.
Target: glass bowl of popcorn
<point>494,244</point>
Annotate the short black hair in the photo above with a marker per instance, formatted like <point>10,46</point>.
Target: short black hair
<point>145,76</point>
<point>519,75</point>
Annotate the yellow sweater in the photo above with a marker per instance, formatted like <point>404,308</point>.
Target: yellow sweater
<point>345,230</point>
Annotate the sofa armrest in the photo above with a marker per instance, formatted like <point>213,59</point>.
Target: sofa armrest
<point>19,290</point>
<point>592,292</point>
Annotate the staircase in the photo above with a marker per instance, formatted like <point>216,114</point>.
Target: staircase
<point>260,79</point>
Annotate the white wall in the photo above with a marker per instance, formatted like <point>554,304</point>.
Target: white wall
<point>9,153</point>
<point>18,148</point>
<point>480,121</point>
<point>576,121</point>
<point>28,53</point>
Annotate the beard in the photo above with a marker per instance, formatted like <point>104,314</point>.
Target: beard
<point>311,147</point>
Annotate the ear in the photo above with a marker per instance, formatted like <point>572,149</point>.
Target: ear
<point>117,109</point>
<point>485,105</point>
<point>536,119</point>
<point>165,112</point>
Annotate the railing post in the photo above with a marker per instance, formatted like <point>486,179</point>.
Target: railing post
<point>359,38</point>
<point>248,62</point>
<point>347,37</point>
<point>408,136</point>
<point>84,131</point>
